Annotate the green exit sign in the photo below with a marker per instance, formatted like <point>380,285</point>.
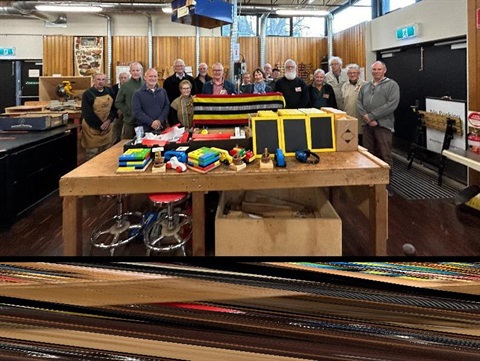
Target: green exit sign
<point>7,51</point>
<point>407,32</point>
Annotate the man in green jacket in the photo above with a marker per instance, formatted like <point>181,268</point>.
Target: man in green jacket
<point>124,99</point>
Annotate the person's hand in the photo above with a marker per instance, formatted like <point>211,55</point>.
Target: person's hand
<point>106,124</point>
<point>156,124</point>
<point>373,123</point>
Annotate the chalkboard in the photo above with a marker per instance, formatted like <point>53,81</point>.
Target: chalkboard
<point>294,131</point>
<point>266,134</point>
<point>322,133</point>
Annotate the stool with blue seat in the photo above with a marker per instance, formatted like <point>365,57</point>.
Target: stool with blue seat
<point>118,230</point>
<point>173,227</point>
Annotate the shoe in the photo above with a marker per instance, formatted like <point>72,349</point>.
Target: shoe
<point>390,191</point>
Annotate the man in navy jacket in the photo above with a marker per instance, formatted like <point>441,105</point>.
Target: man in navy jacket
<point>150,104</point>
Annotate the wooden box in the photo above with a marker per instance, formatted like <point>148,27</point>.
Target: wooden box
<point>346,134</point>
<point>32,121</point>
<point>47,87</point>
<point>238,234</point>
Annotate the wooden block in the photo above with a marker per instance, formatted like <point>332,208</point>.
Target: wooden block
<point>238,167</point>
<point>266,165</point>
<point>159,168</point>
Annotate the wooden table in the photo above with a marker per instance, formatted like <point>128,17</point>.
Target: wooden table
<point>335,169</point>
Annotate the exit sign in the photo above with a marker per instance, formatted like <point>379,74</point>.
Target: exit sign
<point>407,32</point>
<point>7,51</point>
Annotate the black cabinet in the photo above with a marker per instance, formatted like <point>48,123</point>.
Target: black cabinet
<point>31,165</point>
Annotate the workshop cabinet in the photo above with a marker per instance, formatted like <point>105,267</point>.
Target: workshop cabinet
<point>31,165</point>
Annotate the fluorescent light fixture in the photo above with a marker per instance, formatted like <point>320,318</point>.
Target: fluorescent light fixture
<point>305,12</point>
<point>69,8</point>
<point>167,10</point>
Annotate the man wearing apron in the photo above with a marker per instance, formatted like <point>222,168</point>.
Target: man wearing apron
<point>97,117</point>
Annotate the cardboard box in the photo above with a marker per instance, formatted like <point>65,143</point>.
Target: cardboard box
<point>338,114</point>
<point>238,234</point>
<point>31,121</point>
<point>346,134</point>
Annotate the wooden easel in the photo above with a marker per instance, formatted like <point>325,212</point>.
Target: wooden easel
<point>448,124</point>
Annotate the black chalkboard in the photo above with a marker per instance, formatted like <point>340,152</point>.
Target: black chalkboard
<point>321,132</point>
<point>294,135</point>
<point>265,135</point>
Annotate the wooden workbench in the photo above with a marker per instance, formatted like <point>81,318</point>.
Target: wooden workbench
<point>336,169</point>
<point>470,159</point>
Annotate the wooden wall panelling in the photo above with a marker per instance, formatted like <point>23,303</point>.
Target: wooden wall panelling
<point>249,48</point>
<point>349,45</point>
<point>168,48</point>
<point>126,49</point>
<point>473,47</point>
<point>302,50</point>
<point>58,55</point>
<point>215,49</point>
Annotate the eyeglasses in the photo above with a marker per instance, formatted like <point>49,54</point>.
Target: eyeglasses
<point>186,88</point>
<point>217,70</point>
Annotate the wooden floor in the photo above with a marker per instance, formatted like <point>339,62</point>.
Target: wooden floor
<point>434,227</point>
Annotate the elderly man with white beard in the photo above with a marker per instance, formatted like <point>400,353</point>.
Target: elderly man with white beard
<point>293,88</point>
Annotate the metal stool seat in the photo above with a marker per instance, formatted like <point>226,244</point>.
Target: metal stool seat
<point>172,229</point>
<point>118,230</point>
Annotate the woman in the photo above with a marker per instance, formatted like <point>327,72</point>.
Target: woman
<point>181,109</point>
<point>260,85</point>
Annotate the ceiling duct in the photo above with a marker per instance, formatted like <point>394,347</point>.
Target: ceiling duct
<point>27,9</point>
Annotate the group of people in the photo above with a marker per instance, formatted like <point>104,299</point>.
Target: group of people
<point>263,80</point>
<point>140,101</point>
<point>373,103</point>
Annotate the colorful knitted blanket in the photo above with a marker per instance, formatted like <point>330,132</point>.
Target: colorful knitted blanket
<point>232,109</point>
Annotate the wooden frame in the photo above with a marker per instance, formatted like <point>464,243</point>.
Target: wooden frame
<point>296,136</point>
<point>260,132</point>
<point>313,145</point>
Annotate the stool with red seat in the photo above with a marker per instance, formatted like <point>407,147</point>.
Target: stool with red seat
<point>173,227</point>
<point>118,230</point>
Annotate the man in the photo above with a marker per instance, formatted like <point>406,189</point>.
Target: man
<point>336,77</point>
<point>276,74</point>
<point>150,104</point>
<point>118,122</point>
<point>350,91</point>
<point>218,84</point>
<point>267,69</point>
<point>377,100</point>
<point>201,78</point>
<point>293,88</point>
<point>320,93</point>
<point>246,86</point>
<point>123,102</point>
<point>171,84</point>
<point>97,117</point>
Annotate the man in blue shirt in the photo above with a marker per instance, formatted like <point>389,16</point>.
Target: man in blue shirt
<point>150,104</point>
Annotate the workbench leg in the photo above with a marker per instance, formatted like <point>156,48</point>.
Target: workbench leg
<point>72,226</point>
<point>198,215</point>
<point>379,218</point>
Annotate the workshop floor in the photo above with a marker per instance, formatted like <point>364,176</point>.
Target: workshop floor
<point>435,227</point>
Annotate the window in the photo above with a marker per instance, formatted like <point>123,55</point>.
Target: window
<point>307,26</point>
<point>278,26</point>
<point>358,13</point>
<point>310,26</point>
<point>390,5</point>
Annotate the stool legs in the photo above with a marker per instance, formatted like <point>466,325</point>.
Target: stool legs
<point>118,230</point>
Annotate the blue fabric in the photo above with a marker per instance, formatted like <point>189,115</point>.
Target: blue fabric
<point>148,106</point>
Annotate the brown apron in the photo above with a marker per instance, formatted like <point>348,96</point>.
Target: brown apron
<point>95,138</point>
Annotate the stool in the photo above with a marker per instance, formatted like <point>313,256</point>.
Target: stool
<point>172,228</point>
<point>118,230</point>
